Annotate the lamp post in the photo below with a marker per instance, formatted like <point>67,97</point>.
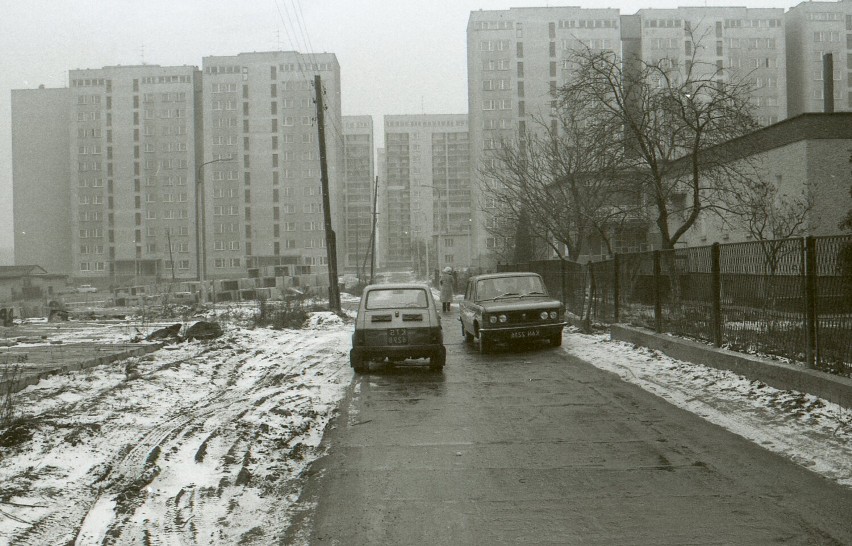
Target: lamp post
<point>200,233</point>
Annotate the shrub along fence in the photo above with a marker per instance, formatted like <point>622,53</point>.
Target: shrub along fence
<point>790,298</point>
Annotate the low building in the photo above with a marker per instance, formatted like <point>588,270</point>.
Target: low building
<point>28,282</point>
<point>805,159</point>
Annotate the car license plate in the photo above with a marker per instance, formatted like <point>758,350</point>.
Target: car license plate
<point>397,336</point>
<point>524,334</point>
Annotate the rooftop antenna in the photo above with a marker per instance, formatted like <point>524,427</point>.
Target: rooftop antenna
<point>142,52</point>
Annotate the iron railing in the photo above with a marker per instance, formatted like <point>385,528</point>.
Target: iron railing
<point>788,298</point>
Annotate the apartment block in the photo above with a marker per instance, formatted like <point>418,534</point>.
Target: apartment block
<point>516,59</point>
<point>40,170</point>
<point>732,43</point>
<point>133,147</point>
<point>263,196</point>
<point>427,212</point>
<point>359,184</point>
<point>815,29</point>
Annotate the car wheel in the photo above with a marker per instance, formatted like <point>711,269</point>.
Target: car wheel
<point>556,339</point>
<point>356,359</point>
<point>484,344</point>
<point>467,337</point>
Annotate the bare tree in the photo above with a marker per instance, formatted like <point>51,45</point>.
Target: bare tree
<point>669,115</point>
<point>557,185</point>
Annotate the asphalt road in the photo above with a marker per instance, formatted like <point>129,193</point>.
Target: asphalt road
<point>531,446</point>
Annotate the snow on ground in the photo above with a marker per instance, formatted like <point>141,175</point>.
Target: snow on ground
<point>206,442</point>
<point>813,432</point>
<point>201,442</point>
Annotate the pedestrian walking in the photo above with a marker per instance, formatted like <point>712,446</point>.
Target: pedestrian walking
<point>446,284</point>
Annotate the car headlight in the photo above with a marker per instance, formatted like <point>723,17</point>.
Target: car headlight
<point>503,318</point>
<point>492,319</point>
<point>543,315</point>
<point>554,315</point>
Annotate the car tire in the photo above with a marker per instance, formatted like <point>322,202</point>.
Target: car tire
<point>484,344</point>
<point>556,339</point>
<point>437,361</point>
<point>356,359</point>
<point>467,337</point>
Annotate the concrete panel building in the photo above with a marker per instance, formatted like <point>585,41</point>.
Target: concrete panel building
<point>426,219</point>
<point>516,58</point>
<point>813,30</point>
<point>359,184</point>
<point>736,44</point>
<point>41,171</point>
<point>264,207</point>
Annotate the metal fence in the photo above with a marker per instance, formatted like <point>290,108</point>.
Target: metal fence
<point>790,298</point>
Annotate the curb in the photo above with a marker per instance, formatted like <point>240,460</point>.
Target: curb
<point>775,374</point>
<point>33,378</point>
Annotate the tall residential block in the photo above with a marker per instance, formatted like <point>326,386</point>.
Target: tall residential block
<point>516,59</point>
<point>815,29</point>
<point>263,196</point>
<point>133,153</point>
<point>735,44</point>
<point>427,208</point>
<point>359,187</point>
<point>40,173</point>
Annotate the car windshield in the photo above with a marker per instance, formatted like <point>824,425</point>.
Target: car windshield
<point>397,297</point>
<point>489,289</point>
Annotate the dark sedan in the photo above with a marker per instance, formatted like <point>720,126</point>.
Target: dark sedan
<point>506,307</point>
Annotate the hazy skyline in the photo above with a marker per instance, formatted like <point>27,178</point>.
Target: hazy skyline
<point>396,56</point>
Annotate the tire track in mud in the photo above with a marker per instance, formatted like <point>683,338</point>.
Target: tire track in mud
<point>183,518</point>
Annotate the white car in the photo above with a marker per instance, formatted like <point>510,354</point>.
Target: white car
<point>83,288</point>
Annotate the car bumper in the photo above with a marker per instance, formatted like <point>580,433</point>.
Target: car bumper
<point>399,351</point>
<point>520,333</point>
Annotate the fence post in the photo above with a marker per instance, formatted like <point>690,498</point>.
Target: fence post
<point>658,304</point>
<point>811,343</point>
<point>716,289</point>
<point>615,286</point>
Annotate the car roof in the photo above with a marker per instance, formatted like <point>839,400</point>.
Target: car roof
<point>395,286</point>
<point>502,275</point>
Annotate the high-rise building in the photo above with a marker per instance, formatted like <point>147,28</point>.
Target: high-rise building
<point>133,149</point>
<point>427,211</point>
<point>359,187</point>
<point>516,59</point>
<point>264,206</point>
<point>40,170</point>
<point>815,29</point>
<point>735,44</point>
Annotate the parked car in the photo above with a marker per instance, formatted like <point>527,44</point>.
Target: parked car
<point>506,307</point>
<point>396,322</point>
<point>84,288</point>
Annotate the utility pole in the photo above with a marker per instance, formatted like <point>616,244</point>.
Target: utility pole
<point>373,235</point>
<point>330,239</point>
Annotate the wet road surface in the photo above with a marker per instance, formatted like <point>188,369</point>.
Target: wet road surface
<point>529,445</point>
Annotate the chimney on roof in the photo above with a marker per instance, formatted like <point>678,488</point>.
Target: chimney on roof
<point>828,83</point>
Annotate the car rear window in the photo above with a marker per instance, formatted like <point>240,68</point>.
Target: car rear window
<point>414,298</point>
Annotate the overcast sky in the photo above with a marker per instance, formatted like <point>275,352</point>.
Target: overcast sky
<point>396,56</point>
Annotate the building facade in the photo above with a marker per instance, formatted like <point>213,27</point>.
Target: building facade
<point>41,164</point>
<point>735,44</point>
<point>516,59</point>
<point>262,193</point>
<point>359,188</point>
<point>815,29</point>
<point>427,214</point>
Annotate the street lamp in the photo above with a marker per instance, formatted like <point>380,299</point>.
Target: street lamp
<point>200,233</point>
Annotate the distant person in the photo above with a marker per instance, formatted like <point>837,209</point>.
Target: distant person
<point>446,284</point>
